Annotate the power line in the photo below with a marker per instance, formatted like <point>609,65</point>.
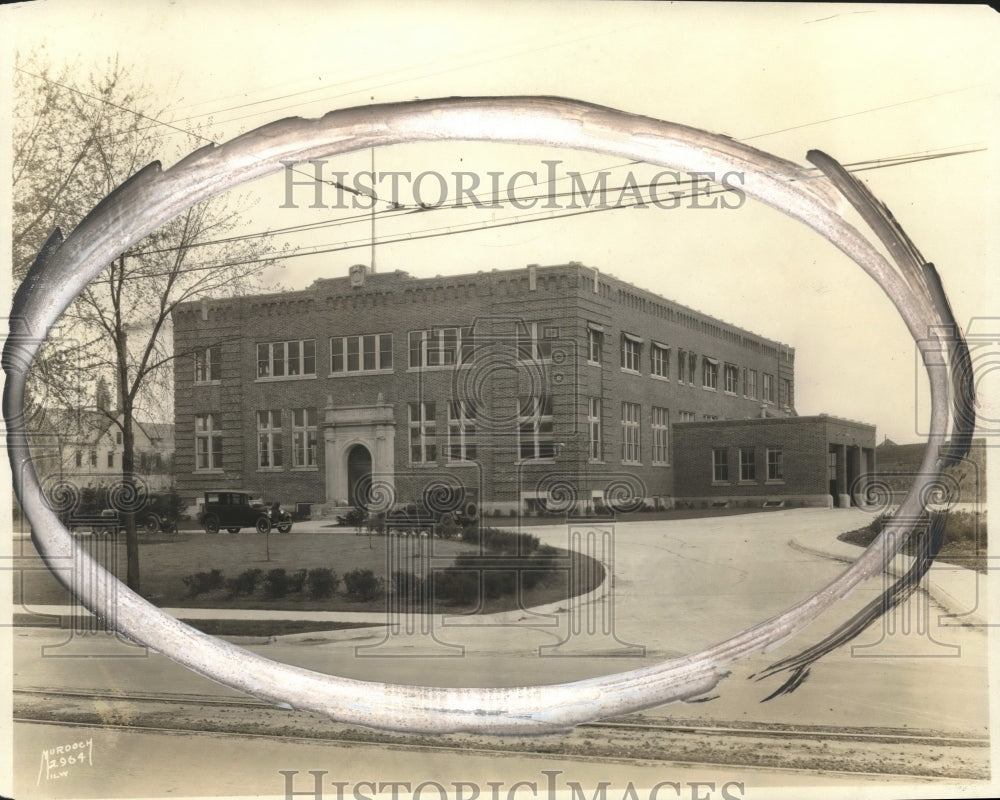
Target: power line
<point>430,233</point>
<point>858,166</point>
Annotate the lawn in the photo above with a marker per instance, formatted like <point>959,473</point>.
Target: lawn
<point>165,561</point>
<point>965,543</point>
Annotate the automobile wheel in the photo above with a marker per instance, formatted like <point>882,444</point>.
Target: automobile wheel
<point>211,524</point>
<point>263,525</point>
<point>233,530</point>
<point>285,528</point>
<point>151,524</point>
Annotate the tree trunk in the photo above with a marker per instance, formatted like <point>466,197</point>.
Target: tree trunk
<point>128,477</point>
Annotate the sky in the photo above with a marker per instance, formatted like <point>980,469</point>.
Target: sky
<point>862,83</point>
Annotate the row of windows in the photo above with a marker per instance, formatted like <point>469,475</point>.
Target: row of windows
<point>733,377</point>
<point>145,460</point>
<point>441,347</point>
<point>631,426</point>
<point>747,456</point>
<point>270,439</point>
<point>438,347</point>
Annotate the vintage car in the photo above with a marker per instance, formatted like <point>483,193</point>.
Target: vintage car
<point>233,509</point>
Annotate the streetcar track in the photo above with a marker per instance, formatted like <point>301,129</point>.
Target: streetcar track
<point>760,731</point>
<point>491,752</point>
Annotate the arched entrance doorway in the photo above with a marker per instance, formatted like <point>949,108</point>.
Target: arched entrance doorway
<point>359,468</point>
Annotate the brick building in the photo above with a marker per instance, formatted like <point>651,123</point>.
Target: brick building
<point>545,386</point>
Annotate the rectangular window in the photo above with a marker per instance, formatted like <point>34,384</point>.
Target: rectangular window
<point>709,373</point>
<point>440,347</point>
<point>536,439</point>
<point>732,378</point>
<point>661,431</point>
<point>286,359</point>
<point>692,367</point>
<point>710,417</point>
<point>208,364</point>
<point>767,388</point>
<point>304,437</point>
<point>786,393</point>
<point>596,449</point>
<point>681,365</point>
<point>748,464</point>
<point>595,344</point>
<point>534,340</point>
<point>207,442</point>
<point>269,439</point>
<point>775,467</point>
<point>631,352</point>
<point>631,452</point>
<point>685,416</point>
<point>423,433</point>
<point>720,465</point>
<point>751,388</point>
<point>93,458</point>
<point>461,431</point>
<point>659,357</point>
<point>367,353</point>
<point>111,459</point>
<point>79,459</point>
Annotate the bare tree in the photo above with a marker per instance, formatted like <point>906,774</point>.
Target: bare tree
<point>74,141</point>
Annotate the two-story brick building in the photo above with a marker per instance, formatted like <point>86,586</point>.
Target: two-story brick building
<point>549,386</point>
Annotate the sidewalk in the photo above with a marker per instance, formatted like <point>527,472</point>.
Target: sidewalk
<point>959,591</point>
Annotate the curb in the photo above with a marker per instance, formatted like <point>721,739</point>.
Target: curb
<point>897,567</point>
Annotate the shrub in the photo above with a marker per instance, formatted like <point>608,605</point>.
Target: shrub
<point>245,583</point>
<point>456,586</point>
<point>362,585</point>
<point>296,580</point>
<point>408,587</point>
<point>322,582</point>
<point>276,583</point>
<point>201,582</point>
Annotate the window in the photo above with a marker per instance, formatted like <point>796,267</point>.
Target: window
<point>709,373</point>
<point>423,433</point>
<point>208,365</point>
<point>440,347</point>
<point>269,439</point>
<point>732,378</point>
<point>710,417</point>
<point>118,437</point>
<point>79,459</point>
<point>692,367</point>
<point>630,433</point>
<point>631,352</point>
<point>685,416</point>
<point>534,341</point>
<point>659,356</point>
<point>751,384</point>
<point>596,450</point>
<point>786,392</point>
<point>461,431</point>
<point>207,443</point>
<point>111,459</point>
<point>748,464</point>
<point>534,430</point>
<point>768,388</point>
<point>720,465</point>
<point>661,429</point>
<point>775,468</point>
<point>365,353</point>
<point>681,364</point>
<point>286,359</point>
<point>595,344</point>
<point>303,437</point>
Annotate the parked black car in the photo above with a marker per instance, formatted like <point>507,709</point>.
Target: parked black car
<point>233,509</point>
